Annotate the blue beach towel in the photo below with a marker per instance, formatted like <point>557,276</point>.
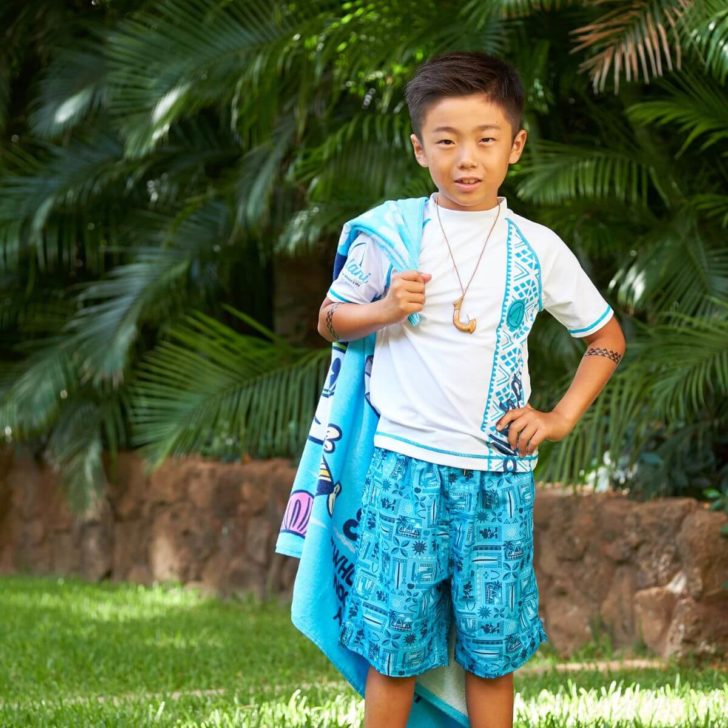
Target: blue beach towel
<point>321,521</point>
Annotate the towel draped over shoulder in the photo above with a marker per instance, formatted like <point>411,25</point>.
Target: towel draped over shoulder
<point>321,522</point>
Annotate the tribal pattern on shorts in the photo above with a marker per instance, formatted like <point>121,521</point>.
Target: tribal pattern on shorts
<point>436,543</point>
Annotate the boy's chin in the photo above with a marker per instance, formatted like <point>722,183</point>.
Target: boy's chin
<point>467,202</point>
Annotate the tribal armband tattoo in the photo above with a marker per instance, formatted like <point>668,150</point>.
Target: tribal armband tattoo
<point>598,351</point>
<point>330,320</point>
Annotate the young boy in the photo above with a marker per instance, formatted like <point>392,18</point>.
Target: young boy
<point>446,530</point>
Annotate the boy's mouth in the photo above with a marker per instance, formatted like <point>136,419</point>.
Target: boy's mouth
<point>467,182</point>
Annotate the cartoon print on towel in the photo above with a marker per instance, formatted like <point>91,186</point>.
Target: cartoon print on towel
<point>298,513</point>
<point>333,375</point>
<point>326,485</point>
<point>300,504</point>
<point>368,381</point>
<point>317,432</point>
<point>343,565</point>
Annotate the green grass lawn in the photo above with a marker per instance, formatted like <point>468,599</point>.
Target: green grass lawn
<point>78,654</point>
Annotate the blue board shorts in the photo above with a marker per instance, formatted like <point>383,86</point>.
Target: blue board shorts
<point>439,543</point>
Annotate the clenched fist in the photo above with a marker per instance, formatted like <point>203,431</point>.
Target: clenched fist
<point>406,295</point>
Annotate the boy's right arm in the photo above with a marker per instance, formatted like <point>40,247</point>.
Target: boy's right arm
<point>339,321</point>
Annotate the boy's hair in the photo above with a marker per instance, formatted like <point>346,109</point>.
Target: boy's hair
<point>461,74</point>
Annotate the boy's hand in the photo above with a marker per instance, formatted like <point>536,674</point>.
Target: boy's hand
<point>406,295</point>
<point>529,427</point>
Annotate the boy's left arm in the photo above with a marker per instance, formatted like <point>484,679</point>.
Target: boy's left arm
<point>529,427</point>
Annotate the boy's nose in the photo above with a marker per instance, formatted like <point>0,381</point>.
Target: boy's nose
<point>466,164</point>
<point>466,159</point>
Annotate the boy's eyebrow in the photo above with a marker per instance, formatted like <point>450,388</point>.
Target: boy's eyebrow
<point>482,127</point>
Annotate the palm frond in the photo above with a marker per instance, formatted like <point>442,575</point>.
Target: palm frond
<point>524,8</point>
<point>553,172</point>
<point>380,175</point>
<point>26,29</point>
<point>74,450</point>
<point>674,269</point>
<point>31,314</point>
<point>4,95</point>
<point>258,177</point>
<point>174,58</point>
<point>696,106</point>
<point>673,379</point>
<point>73,86</point>
<point>639,421</point>
<point>108,324</point>
<point>150,287</point>
<point>638,39</point>
<point>590,227</point>
<point>364,161</point>
<point>389,130</point>
<point>697,349</point>
<point>611,425</point>
<point>533,61</point>
<point>706,30</point>
<point>208,387</point>
<point>307,229</point>
<point>712,206</point>
<point>34,390</point>
<point>65,177</point>
<point>89,425</point>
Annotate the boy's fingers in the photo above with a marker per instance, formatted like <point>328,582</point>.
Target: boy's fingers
<point>412,275</point>
<point>525,438</point>
<point>409,286</point>
<point>534,442</point>
<point>514,432</point>
<point>508,417</point>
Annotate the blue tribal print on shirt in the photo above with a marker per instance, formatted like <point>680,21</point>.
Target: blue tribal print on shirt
<point>521,303</point>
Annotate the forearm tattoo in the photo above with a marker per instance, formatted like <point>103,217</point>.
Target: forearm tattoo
<point>330,320</point>
<point>598,351</point>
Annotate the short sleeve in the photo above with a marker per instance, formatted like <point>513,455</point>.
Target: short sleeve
<point>364,276</point>
<point>570,296</point>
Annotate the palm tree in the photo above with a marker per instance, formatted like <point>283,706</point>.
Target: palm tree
<point>171,153</point>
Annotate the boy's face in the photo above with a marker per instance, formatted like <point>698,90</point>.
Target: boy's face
<point>467,144</point>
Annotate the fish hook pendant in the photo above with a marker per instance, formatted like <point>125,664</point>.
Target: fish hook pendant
<point>459,325</point>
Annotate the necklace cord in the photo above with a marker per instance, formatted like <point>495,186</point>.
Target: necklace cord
<point>452,257</point>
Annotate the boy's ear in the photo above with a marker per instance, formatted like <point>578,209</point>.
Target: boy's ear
<point>418,150</point>
<point>519,142</point>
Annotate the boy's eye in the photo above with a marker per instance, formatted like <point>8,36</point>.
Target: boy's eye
<point>488,139</point>
<point>445,141</point>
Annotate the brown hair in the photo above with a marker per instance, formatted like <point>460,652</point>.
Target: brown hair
<point>461,74</point>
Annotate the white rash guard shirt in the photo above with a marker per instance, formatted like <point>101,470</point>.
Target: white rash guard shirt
<point>439,391</point>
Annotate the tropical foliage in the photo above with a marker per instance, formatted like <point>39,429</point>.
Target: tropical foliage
<point>158,158</point>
